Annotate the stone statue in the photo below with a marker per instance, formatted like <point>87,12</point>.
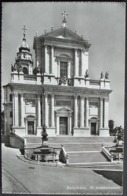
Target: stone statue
<point>12,68</point>
<point>106,75</point>
<point>102,75</point>
<point>87,74</point>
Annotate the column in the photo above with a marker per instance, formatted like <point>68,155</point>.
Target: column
<point>22,110</point>
<point>46,110</point>
<point>52,58</point>
<point>58,68</point>
<point>81,111</point>
<point>16,109</point>
<point>101,112</point>
<point>52,111</point>
<point>76,63</point>
<point>69,69</point>
<point>13,109</point>
<point>70,125</point>
<point>57,124</point>
<point>106,112</point>
<point>82,67</point>
<point>46,65</point>
<point>75,112</point>
<point>39,112</point>
<point>87,111</point>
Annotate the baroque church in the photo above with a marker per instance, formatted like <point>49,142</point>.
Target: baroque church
<point>56,90</point>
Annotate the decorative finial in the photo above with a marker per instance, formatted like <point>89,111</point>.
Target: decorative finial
<point>64,20</point>
<point>45,31</point>
<point>24,33</point>
<point>106,75</point>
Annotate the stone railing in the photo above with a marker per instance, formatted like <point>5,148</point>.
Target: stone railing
<point>63,157</point>
<point>29,77</point>
<point>107,153</point>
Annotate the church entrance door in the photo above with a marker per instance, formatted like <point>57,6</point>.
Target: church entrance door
<point>63,125</point>
<point>30,127</point>
<point>93,128</point>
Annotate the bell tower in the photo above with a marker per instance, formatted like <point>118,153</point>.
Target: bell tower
<point>23,61</point>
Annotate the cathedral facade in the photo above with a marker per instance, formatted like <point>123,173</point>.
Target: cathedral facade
<point>56,90</point>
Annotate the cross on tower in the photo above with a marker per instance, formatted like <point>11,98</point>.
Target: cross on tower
<point>24,29</point>
<point>64,15</point>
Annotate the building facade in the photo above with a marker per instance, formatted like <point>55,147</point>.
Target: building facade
<point>56,90</point>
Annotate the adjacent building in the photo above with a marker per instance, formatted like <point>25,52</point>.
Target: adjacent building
<point>56,90</point>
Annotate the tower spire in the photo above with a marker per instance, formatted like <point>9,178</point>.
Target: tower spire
<point>64,19</point>
<point>24,33</point>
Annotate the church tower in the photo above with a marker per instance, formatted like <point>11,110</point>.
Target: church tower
<point>23,61</point>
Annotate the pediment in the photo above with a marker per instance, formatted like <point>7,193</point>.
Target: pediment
<point>64,109</point>
<point>64,33</point>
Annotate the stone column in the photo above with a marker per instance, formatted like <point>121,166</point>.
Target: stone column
<point>87,111</point>
<point>69,69</point>
<point>82,67</point>
<point>22,110</point>
<point>52,111</point>
<point>13,109</point>
<point>46,110</point>
<point>52,58</point>
<point>70,125</point>
<point>82,111</point>
<point>16,109</point>
<point>46,64</point>
<point>39,112</point>
<point>101,112</point>
<point>75,112</point>
<point>106,112</point>
<point>76,63</point>
<point>58,68</point>
<point>57,124</point>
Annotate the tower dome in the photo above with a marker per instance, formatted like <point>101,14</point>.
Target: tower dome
<point>24,44</point>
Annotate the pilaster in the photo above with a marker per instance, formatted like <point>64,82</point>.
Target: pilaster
<point>81,111</point>
<point>52,110</point>
<point>22,110</point>
<point>75,111</point>
<point>39,112</point>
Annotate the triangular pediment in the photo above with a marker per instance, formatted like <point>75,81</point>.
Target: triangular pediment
<point>64,33</point>
<point>64,109</point>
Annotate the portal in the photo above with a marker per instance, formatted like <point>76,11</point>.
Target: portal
<point>63,126</point>
<point>93,128</point>
<point>30,127</point>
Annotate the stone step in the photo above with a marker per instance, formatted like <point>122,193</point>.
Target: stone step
<point>82,147</point>
<point>70,139</point>
<point>86,157</point>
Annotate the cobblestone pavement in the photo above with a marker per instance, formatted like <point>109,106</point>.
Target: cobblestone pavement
<point>20,176</point>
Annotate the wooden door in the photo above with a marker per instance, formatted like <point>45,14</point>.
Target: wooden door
<point>93,128</point>
<point>30,127</point>
<point>63,125</point>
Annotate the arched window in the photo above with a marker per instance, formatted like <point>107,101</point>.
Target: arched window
<point>25,70</point>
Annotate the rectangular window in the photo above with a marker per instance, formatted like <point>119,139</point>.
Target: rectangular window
<point>63,69</point>
<point>10,97</point>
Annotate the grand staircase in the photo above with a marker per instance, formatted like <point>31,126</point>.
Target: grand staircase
<point>80,150</point>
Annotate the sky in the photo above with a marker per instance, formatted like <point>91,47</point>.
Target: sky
<point>103,24</point>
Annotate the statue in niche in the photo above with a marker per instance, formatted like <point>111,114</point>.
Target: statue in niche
<point>87,74</point>
<point>102,75</point>
<point>106,75</point>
